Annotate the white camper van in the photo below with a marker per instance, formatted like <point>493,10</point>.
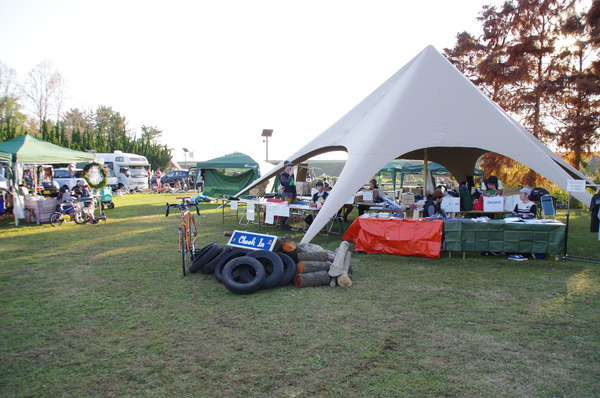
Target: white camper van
<point>129,168</point>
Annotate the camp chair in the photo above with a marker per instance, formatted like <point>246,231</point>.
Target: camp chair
<point>547,204</point>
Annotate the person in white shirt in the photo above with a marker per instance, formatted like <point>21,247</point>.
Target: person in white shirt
<point>525,207</point>
<point>494,181</point>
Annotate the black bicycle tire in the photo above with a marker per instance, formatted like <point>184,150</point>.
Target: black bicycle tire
<point>82,217</point>
<point>57,220</point>
<point>224,259</point>
<point>206,255</point>
<point>273,267</point>
<point>289,269</point>
<point>241,287</point>
<point>183,249</point>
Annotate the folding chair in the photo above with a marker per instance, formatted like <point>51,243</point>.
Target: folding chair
<point>547,204</point>
<point>336,225</point>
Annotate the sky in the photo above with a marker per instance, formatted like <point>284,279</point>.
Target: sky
<point>211,75</point>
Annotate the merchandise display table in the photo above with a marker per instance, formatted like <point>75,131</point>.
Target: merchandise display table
<point>38,209</point>
<point>537,236</point>
<point>422,238</point>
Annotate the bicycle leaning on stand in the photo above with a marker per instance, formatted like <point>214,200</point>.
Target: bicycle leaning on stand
<point>188,233</point>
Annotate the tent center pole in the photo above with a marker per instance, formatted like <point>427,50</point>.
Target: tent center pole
<point>425,162</point>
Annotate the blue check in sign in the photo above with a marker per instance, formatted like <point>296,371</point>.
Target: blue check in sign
<point>252,241</point>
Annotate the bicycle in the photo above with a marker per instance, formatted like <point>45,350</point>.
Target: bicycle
<point>188,233</point>
<point>67,212</point>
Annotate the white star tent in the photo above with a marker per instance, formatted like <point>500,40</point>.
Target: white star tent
<point>428,109</point>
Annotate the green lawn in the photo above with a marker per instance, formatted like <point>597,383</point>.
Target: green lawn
<point>103,310</point>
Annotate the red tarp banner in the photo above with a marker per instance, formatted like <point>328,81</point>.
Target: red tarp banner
<point>422,238</point>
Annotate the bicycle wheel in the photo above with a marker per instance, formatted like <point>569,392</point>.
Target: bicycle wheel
<point>55,219</point>
<point>192,236</point>
<point>80,217</point>
<point>183,247</point>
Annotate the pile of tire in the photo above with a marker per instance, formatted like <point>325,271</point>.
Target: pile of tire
<point>244,271</point>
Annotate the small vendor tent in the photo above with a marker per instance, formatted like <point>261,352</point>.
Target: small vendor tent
<point>31,150</point>
<point>217,183</point>
<point>427,110</point>
<point>5,157</point>
<point>404,167</point>
<point>28,149</point>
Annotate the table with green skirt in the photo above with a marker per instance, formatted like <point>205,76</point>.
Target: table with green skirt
<point>465,235</point>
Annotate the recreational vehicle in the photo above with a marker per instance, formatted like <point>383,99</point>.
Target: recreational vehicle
<point>130,169</point>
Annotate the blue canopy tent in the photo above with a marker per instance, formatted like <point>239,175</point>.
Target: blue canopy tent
<point>403,167</point>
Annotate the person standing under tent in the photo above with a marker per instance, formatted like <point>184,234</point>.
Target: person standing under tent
<point>595,213</point>
<point>287,181</point>
<point>492,180</point>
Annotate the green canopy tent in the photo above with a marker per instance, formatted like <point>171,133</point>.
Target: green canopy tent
<point>404,167</point>
<point>28,149</point>
<point>218,184</point>
<point>5,157</point>
<point>31,150</point>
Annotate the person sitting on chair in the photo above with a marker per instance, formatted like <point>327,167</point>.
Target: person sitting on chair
<point>376,197</point>
<point>525,208</point>
<point>317,200</point>
<point>433,206</point>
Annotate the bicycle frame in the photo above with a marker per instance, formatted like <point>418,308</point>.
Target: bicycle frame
<point>188,232</point>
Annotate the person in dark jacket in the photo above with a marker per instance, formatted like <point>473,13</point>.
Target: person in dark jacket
<point>595,211</point>
<point>433,206</point>
<point>287,181</point>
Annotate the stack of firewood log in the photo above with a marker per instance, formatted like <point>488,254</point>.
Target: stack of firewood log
<point>315,268</point>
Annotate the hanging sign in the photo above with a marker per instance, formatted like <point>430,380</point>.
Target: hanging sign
<point>575,185</point>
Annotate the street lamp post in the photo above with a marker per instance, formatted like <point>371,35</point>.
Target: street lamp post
<point>185,152</point>
<point>266,133</point>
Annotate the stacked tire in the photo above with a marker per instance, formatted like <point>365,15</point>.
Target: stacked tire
<point>245,271</point>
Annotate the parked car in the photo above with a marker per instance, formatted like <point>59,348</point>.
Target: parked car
<point>62,177</point>
<point>176,176</point>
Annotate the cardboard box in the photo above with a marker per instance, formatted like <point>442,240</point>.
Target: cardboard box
<point>450,204</point>
<point>302,188</point>
<point>408,198</point>
<point>258,192</point>
<point>358,198</point>
<point>367,196</point>
<point>510,202</point>
<point>493,203</point>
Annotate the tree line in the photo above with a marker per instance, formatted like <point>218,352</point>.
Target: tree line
<point>539,60</point>
<point>103,130</point>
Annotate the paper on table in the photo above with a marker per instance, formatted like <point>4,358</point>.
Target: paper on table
<point>270,214</point>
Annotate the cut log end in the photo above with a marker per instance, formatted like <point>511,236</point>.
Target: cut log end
<point>344,281</point>
<point>319,278</point>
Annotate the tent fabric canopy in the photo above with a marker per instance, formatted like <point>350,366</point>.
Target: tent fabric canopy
<point>426,110</point>
<point>233,161</point>
<point>5,157</point>
<point>415,167</point>
<point>28,149</point>
<point>217,184</point>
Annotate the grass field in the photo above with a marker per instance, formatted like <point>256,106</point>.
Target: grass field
<point>103,311</point>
